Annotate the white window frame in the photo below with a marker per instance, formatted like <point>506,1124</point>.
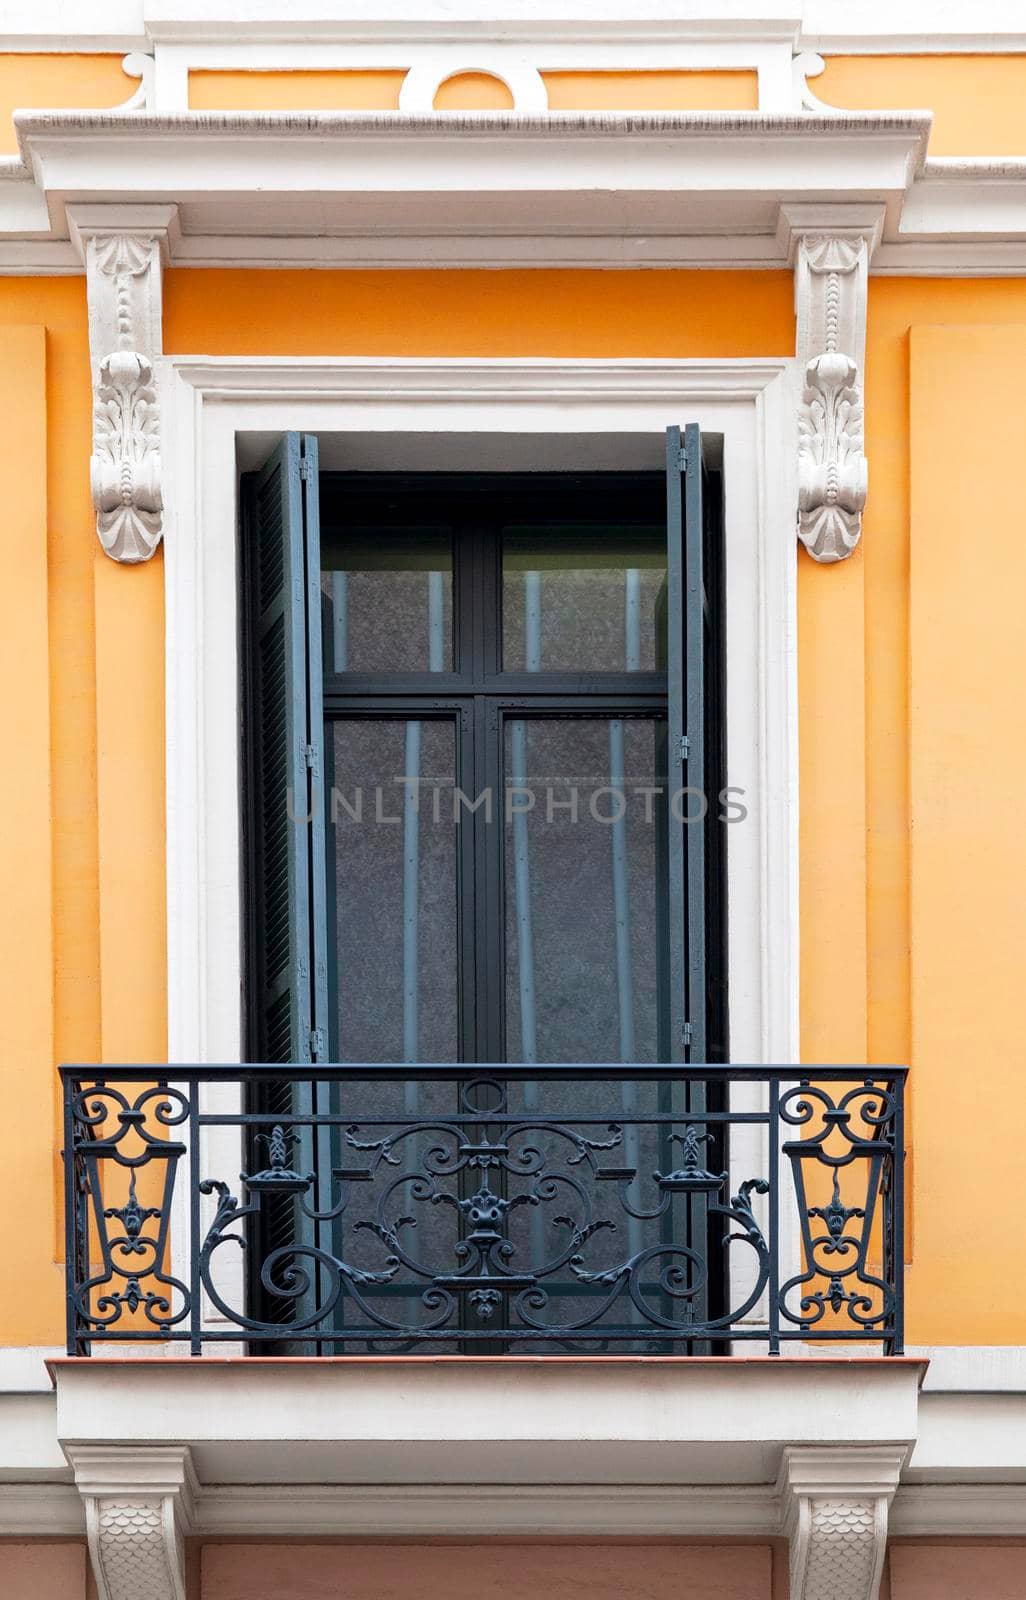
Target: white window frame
<point>210,402</point>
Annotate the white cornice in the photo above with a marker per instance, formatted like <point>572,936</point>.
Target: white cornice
<point>442,126</point>
<point>617,190</point>
<point>381,189</point>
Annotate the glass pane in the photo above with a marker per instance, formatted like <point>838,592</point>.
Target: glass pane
<point>387,600</point>
<point>583,601</point>
<point>392,872</point>
<point>585,829</point>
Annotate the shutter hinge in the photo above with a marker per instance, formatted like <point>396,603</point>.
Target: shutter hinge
<point>315,1040</point>
<point>683,747</point>
<point>305,470</point>
<point>686,1033</point>
<point>682,460</point>
<point>310,757</point>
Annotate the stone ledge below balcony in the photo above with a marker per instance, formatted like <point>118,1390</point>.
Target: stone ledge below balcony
<point>497,1420</point>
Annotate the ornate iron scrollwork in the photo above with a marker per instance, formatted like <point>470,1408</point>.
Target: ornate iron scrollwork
<point>522,1227</point>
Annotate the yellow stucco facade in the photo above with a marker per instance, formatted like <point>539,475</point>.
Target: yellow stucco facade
<point>910,856</point>
<point>911,916</point>
<point>363,197</point>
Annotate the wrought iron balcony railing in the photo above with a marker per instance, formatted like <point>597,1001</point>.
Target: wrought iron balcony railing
<point>444,1208</point>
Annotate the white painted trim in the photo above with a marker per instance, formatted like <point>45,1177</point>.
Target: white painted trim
<point>210,401</point>
<point>973,1368</point>
<point>915,258</point>
<point>350,189</point>
<point>41,1511</point>
<point>427,74</point>
<point>23,1369</point>
<point>941,1510</point>
<point>490,1510</point>
<point>980,1510</point>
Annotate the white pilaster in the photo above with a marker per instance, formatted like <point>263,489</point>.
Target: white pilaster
<point>124,248</point>
<point>139,1507</point>
<point>830,247</point>
<point>834,1502</point>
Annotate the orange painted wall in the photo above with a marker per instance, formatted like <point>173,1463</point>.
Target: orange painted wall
<point>977,101</point>
<point>83,974</point>
<point>473,91</point>
<point>29,82</point>
<point>295,91</point>
<point>478,313</point>
<point>652,91</point>
<point>867,900</point>
<point>865,993</point>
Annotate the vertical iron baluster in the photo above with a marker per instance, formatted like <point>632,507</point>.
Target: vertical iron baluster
<point>774,1215</point>
<point>195,1292</point>
<point>72,1220</point>
<point>897,1344</point>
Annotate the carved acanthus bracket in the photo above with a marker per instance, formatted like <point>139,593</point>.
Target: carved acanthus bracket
<point>139,1507</point>
<point>836,1502</point>
<point>123,257</point>
<point>831,262</point>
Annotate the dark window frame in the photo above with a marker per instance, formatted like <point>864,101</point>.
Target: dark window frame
<point>638,498</point>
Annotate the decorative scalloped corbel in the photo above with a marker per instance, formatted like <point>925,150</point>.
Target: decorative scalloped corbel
<point>124,249</point>
<point>138,65</point>
<point>139,1507</point>
<point>803,67</point>
<point>835,1503</point>
<point>830,247</point>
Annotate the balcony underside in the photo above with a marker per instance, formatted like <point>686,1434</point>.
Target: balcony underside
<point>475,1421</point>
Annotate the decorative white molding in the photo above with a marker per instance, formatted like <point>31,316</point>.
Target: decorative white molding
<point>138,65</point>
<point>831,248</point>
<point>123,248</point>
<point>805,66</point>
<point>433,68</point>
<point>360,189</point>
<point>835,1505</point>
<point>138,1507</point>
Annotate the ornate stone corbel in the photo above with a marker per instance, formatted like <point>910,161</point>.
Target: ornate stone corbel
<point>835,1505</point>
<point>830,249</point>
<point>123,250</point>
<point>139,1507</point>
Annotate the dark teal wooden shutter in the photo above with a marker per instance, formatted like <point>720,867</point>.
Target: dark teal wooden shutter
<point>687,622</point>
<point>288,923</point>
<point>287,767</point>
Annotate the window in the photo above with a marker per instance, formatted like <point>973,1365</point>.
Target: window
<point>484,751</point>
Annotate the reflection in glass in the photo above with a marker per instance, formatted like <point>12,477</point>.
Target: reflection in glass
<point>392,871</point>
<point>387,600</point>
<point>573,590</point>
<point>584,821</point>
